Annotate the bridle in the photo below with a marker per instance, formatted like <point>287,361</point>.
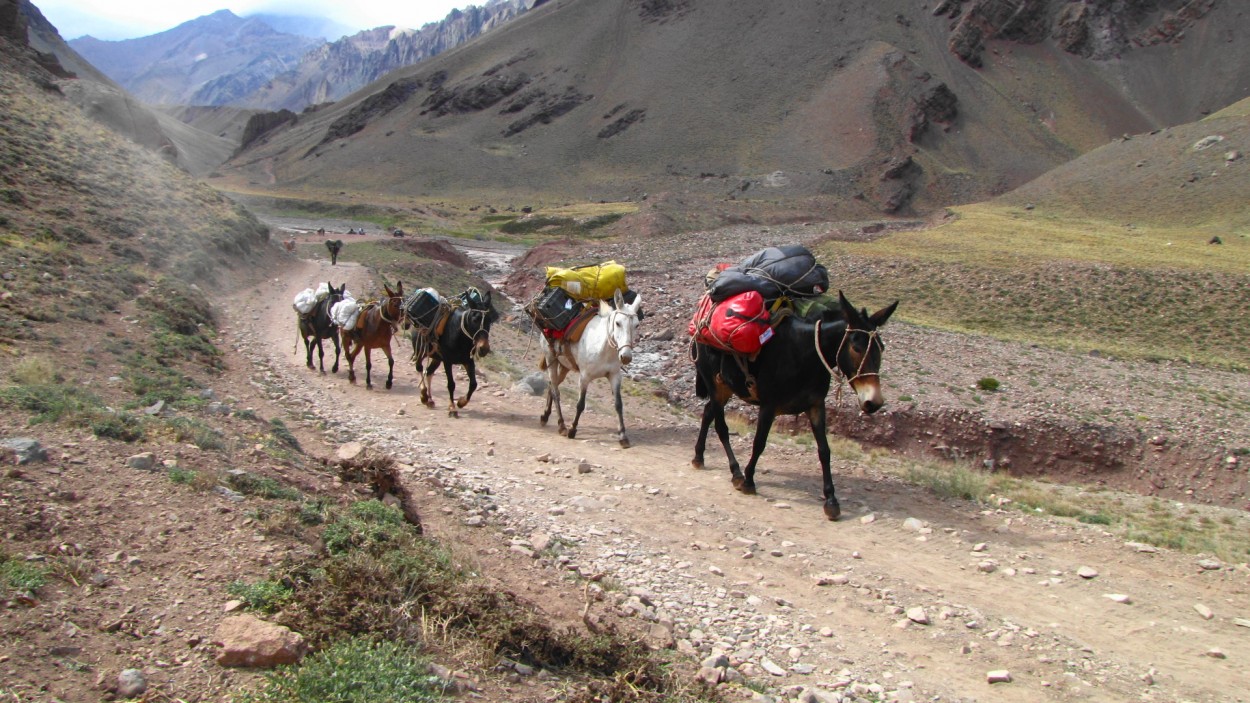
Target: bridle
<point>835,371</point>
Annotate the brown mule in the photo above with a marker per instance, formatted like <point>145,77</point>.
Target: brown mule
<point>374,329</point>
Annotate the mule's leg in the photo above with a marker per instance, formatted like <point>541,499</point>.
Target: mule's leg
<point>620,408</point>
<point>308,345</point>
<point>390,366</point>
<point>350,351</point>
<point>816,415</point>
<point>335,337</point>
<point>700,443</point>
<point>427,377</point>
<point>557,377</point>
<point>762,428</point>
<point>470,369</point>
<point>451,392</point>
<point>583,382</point>
<point>369,368</point>
<point>321,356</point>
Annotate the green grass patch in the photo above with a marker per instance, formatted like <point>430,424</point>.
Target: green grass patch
<point>22,576</point>
<point>1080,286</point>
<point>266,595</point>
<point>355,670</point>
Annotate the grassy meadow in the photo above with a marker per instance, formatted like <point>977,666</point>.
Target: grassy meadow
<point>1082,284</point>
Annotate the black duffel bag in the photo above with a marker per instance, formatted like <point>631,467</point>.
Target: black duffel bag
<point>554,309</point>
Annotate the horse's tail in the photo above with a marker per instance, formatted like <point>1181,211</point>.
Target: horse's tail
<point>542,363</point>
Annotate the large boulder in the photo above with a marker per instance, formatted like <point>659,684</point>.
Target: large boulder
<point>246,640</point>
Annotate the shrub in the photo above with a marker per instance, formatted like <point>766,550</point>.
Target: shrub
<point>35,371</point>
<point>261,486</point>
<point>988,384</point>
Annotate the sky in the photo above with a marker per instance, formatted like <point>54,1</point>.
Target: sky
<point>127,19</point>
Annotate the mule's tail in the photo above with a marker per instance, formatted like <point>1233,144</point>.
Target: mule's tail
<point>700,388</point>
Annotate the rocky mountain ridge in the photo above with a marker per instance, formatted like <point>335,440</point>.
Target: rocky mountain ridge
<point>222,59</point>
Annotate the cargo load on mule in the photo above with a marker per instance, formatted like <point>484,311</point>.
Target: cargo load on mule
<point>570,298</point>
<point>553,310</point>
<point>787,271</point>
<point>307,299</point>
<point>425,307</point>
<point>589,283</point>
<point>739,323</point>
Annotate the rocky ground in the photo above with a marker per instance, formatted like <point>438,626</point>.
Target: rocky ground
<point>908,597</point>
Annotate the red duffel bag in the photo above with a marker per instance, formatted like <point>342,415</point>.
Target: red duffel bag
<point>738,323</point>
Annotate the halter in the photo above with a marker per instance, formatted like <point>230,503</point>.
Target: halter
<point>611,337</point>
<point>464,329</point>
<point>836,372</point>
<point>382,309</point>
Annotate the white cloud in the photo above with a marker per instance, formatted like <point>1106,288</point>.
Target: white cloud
<point>126,19</point>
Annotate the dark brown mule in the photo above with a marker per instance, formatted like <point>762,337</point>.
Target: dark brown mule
<point>373,330</point>
<point>791,375</point>
<point>334,246</point>
<point>317,325</point>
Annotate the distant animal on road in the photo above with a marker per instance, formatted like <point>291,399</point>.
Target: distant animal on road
<point>289,244</point>
<point>335,246</point>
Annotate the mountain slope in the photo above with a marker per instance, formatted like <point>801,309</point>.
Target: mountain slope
<point>102,99</point>
<point>879,103</point>
<point>169,67</point>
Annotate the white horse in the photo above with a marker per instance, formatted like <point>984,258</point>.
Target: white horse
<point>606,344</point>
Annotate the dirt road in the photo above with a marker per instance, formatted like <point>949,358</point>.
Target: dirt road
<point>908,597</point>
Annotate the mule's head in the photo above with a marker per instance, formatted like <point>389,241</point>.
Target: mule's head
<point>859,353</point>
<point>392,304</point>
<point>622,325</point>
<point>477,324</point>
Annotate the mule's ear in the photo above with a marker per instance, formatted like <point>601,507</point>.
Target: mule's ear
<point>848,310</point>
<point>618,299</point>
<point>881,316</point>
<point>604,307</point>
<point>636,306</point>
<point>400,290</point>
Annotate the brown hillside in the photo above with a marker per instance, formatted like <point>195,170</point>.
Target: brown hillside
<point>611,99</point>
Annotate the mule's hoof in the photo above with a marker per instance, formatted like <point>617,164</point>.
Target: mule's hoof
<point>624,443</point>
<point>832,510</point>
<point>461,402</point>
<point>572,433</point>
<point>452,413</point>
<point>563,430</point>
<point>542,421</point>
<point>388,385</point>
<point>744,487</point>
<point>696,463</point>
